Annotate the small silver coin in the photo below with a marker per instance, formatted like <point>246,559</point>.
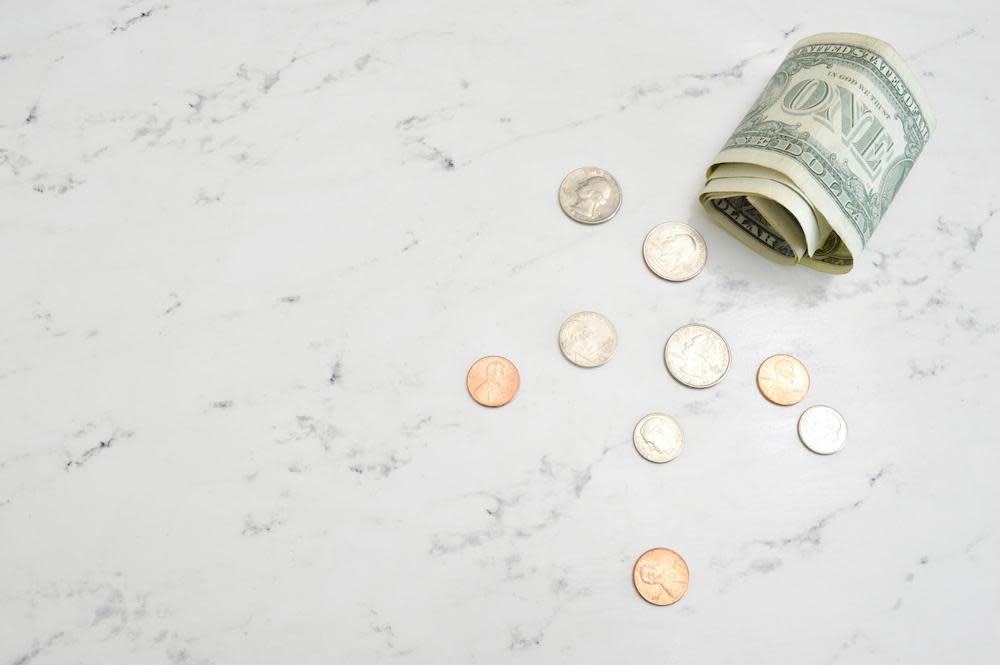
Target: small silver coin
<point>822,429</point>
<point>674,251</point>
<point>658,438</point>
<point>697,356</point>
<point>587,339</point>
<point>590,195</point>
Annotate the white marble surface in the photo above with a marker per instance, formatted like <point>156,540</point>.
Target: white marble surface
<point>248,250</point>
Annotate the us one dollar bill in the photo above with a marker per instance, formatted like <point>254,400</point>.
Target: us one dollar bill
<point>811,169</point>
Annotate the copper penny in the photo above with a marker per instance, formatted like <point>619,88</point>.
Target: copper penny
<point>493,381</point>
<point>661,576</point>
<point>783,380</point>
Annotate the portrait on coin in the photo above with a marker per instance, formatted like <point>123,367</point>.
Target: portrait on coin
<point>786,370</point>
<point>654,433</point>
<point>591,195</point>
<point>584,346</point>
<point>677,249</point>
<point>491,389</point>
<point>694,358</point>
<point>653,573</point>
<point>828,432</point>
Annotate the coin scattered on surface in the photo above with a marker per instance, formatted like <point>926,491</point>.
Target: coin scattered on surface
<point>697,356</point>
<point>783,379</point>
<point>661,576</point>
<point>493,381</point>
<point>822,430</point>
<point>590,195</point>
<point>587,339</point>
<point>658,438</point>
<point>674,251</point>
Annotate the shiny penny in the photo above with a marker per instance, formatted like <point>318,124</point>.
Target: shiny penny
<point>588,339</point>
<point>697,356</point>
<point>493,381</point>
<point>783,379</point>
<point>822,430</point>
<point>658,438</point>
<point>674,251</point>
<point>590,195</point>
<point>661,576</point>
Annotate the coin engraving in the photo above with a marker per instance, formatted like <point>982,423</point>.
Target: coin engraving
<point>658,438</point>
<point>590,195</point>
<point>493,381</point>
<point>822,429</point>
<point>587,339</point>
<point>697,356</point>
<point>674,251</point>
<point>661,576</point>
<point>783,379</point>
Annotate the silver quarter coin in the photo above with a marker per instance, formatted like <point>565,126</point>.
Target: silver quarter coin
<point>697,356</point>
<point>590,195</point>
<point>674,251</point>
<point>658,438</point>
<point>587,339</point>
<point>822,430</point>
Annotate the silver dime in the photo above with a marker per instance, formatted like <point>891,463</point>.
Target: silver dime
<point>674,251</point>
<point>590,195</point>
<point>697,356</point>
<point>587,339</point>
<point>822,429</point>
<point>658,438</point>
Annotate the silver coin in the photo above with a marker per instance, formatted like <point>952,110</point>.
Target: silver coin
<point>587,339</point>
<point>697,356</point>
<point>658,438</point>
<point>822,430</point>
<point>590,195</point>
<point>674,251</point>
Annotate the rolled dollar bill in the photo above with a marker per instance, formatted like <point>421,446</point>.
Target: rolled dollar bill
<point>811,169</point>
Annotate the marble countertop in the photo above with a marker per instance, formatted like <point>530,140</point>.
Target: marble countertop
<point>249,251</point>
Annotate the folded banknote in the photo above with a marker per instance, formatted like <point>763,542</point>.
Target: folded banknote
<point>811,169</point>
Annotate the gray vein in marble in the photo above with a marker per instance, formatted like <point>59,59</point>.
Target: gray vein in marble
<point>559,248</point>
<point>790,31</point>
<point>763,556</point>
<point>309,429</point>
<point>13,161</point>
<point>205,198</point>
<point>724,292</point>
<point>522,638</point>
<point>37,649</point>
<point>255,527</point>
<point>128,23</point>
<point>736,70</point>
<point>89,453</point>
<point>411,243</point>
<point>385,632</point>
<point>336,372</point>
<point>503,520</point>
<point>953,40</point>
<point>174,305</point>
<point>389,463</point>
<point>414,135</point>
<point>527,136</point>
<point>58,185</point>
<point>925,370</point>
<point>850,644</point>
